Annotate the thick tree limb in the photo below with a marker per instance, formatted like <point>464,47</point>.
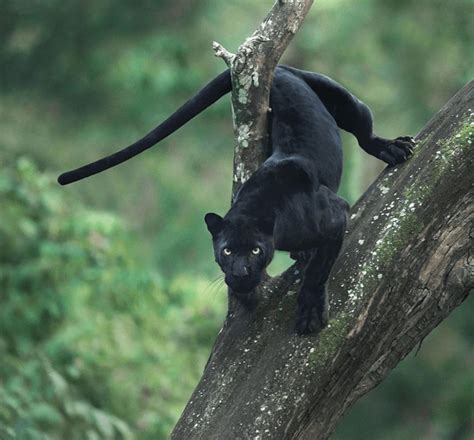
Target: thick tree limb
<point>407,262</point>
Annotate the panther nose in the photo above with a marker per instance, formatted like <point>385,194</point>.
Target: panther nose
<point>240,271</point>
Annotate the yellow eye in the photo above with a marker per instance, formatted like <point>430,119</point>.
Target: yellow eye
<point>226,251</point>
<point>256,251</point>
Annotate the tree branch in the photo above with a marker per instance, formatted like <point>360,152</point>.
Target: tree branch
<point>252,73</point>
<point>407,262</point>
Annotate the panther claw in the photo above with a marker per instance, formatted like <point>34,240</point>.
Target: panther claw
<point>398,150</point>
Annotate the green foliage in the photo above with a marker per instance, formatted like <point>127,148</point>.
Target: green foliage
<point>92,345</point>
<point>107,314</point>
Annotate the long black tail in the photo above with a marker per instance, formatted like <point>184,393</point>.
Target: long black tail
<point>209,94</point>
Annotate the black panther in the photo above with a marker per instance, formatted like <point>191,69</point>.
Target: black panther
<point>290,202</point>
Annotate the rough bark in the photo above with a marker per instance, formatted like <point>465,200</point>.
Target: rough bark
<point>252,70</point>
<point>407,262</point>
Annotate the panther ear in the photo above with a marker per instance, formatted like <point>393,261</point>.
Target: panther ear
<point>214,223</point>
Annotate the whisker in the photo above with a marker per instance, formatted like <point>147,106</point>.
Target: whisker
<point>218,286</point>
<point>214,285</point>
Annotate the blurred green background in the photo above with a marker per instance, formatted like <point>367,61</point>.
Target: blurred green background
<point>108,299</point>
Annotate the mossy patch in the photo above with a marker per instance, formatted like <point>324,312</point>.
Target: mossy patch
<point>402,220</point>
<point>329,340</point>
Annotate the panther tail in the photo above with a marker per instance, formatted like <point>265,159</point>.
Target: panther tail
<point>209,94</point>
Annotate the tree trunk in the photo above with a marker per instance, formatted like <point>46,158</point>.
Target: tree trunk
<point>406,263</point>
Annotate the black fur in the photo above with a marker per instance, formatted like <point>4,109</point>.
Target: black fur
<point>290,202</point>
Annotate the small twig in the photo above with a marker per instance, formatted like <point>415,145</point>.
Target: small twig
<point>221,52</point>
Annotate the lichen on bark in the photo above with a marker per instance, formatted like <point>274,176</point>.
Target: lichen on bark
<point>252,69</point>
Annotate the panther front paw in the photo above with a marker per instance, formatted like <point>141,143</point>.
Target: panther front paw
<point>394,151</point>
<point>310,320</point>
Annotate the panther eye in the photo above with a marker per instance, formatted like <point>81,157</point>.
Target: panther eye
<point>256,251</point>
<point>226,251</point>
